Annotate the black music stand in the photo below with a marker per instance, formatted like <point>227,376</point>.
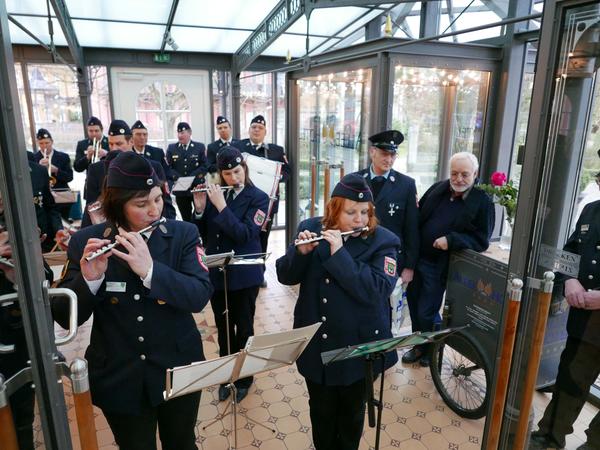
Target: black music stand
<point>376,350</point>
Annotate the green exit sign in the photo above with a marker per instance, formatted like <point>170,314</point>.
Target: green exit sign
<point>162,58</point>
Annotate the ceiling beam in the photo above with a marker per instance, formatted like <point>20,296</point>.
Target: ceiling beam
<point>64,19</point>
<point>169,24</point>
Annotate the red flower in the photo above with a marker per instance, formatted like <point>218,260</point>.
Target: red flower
<point>498,179</point>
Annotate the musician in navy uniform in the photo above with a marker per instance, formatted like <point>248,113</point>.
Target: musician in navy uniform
<point>256,145</point>
<point>120,140</point>
<point>140,146</point>
<point>233,224</point>
<point>142,294</point>
<point>12,333</point>
<point>225,132</point>
<point>579,365</point>
<point>186,158</point>
<point>84,152</point>
<point>395,198</point>
<point>345,283</point>
<point>60,166</point>
<point>453,215</point>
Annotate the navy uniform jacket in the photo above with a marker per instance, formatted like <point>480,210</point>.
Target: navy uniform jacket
<point>273,152</point>
<point>585,241</point>
<point>396,209</point>
<point>472,229</point>
<point>81,162</point>
<point>48,217</point>
<point>212,151</point>
<point>138,333</point>
<point>61,160</point>
<point>237,228</point>
<point>348,292</point>
<point>158,155</point>
<point>186,163</point>
<point>95,180</point>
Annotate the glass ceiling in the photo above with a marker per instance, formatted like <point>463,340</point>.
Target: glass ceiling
<point>223,26</point>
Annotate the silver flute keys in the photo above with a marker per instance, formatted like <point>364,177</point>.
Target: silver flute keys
<point>109,247</point>
<point>319,238</point>
<point>223,188</point>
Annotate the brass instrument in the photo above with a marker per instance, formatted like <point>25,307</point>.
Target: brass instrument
<point>109,247</point>
<point>319,238</point>
<point>51,177</point>
<point>96,144</point>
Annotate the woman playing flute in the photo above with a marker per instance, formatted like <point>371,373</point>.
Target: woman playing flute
<point>233,224</point>
<point>345,283</point>
<point>142,294</point>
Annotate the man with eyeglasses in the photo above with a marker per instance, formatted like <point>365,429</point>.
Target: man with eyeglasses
<point>453,215</point>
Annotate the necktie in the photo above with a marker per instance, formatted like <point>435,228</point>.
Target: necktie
<point>229,198</point>
<point>376,185</point>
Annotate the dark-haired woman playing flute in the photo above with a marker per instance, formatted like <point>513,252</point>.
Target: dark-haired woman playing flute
<point>345,283</point>
<point>142,294</point>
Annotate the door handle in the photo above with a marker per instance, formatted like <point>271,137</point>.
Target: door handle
<point>55,292</point>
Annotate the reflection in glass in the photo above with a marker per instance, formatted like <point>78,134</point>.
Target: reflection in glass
<point>23,105</point>
<point>221,90</point>
<point>331,129</point>
<point>100,97</point>
<point>256,97</point>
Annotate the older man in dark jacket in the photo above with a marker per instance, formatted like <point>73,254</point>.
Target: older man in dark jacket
<point>454,215</point>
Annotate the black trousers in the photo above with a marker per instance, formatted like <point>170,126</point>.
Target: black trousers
<point>578,369</point>
<point>337,415</point>
<point>242,306</point>
<point>176,420</point>
<point>184,203</point>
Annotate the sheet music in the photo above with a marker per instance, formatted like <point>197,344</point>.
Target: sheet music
<point>183,184</point>
<point>264,173</point>
<point>199,375</point>
<point>218,259</point>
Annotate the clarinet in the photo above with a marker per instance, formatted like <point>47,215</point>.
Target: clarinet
<point>109,247</point>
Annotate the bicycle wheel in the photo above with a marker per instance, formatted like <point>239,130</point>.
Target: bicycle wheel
<point>461,375</point>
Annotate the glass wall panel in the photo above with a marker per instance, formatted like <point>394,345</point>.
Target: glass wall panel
<point>221,93</point>
<point>281,87</point>
<point>332,121</point>
<point>440,112</point>
<point>23,106</point>
<point>100,97</point>
<point>56,103</point>
<point>256,97</point>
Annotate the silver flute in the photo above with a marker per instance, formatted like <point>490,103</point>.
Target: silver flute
<point>320,238</point>
<point>109,247</point>
<point>223,188</point>
<point>6,262</point>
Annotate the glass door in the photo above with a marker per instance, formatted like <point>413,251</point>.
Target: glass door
<point>332,133</point>
<point>558,179</point>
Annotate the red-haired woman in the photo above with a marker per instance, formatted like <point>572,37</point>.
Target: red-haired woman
<point>345,283</point>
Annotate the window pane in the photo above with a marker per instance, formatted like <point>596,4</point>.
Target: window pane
<point>56,104</point>
<point>149,98</point>
<point>221,87</point>
<point>255,98</point>
<point>175,99</point>
<point>281,89</point>
<point>100,97</point>
<point>471,96</point>
<point>23,106</point>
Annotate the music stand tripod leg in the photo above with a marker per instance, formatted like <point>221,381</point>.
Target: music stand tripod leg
<point>372,402</point>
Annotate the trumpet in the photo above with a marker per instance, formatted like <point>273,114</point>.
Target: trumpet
<point>109,247</point>
<point>223,188</point>
<point>319,238</point>
<point>96,146</point>
<point>51,177</point>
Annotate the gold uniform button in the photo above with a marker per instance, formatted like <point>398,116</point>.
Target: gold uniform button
<point>161,302</point>
<point>140,318</point>
<point>114,300</point>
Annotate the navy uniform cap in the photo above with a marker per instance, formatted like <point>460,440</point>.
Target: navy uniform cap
<point>229,157</point>
<point>353,187</point>
<point>183,126</point>
<point>94,122</point>
<point>42,133</point>
<point>387,140</point>
<point>138,125</point>
<point>259,119</point>
<point>222,119</point>
<point>128,170</point>
<point>119,128</point>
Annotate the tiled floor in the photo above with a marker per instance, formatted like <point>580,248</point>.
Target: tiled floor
<point>414,416</point>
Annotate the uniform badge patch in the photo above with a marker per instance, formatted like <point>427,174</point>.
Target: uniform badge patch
<point>201,257</point>
<point>259,218</point>
<point>389,266</point>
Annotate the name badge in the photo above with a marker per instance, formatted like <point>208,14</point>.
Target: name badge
<point>116,286</point>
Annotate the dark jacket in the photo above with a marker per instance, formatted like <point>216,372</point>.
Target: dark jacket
<point>158,155</point>
<point>472,229</point>
<point>62,161</point>
<point>81,161</point>
<point>585,241</point>
<point>186,163</point>
<point>47,215</point>
<point>273,152</point>
<point>396,209</point>
<point>213,149</point>
<point>237,228</point>
<point>138,334</point>
<point>347,292</point>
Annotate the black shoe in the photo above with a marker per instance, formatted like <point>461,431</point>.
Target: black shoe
<point>264,284</point>
<point>542,442</point>
<point>424,361</point>
<point>223,393</point>
<point>412,356</point>
<point>241,394</point>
